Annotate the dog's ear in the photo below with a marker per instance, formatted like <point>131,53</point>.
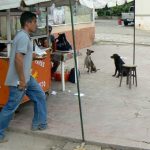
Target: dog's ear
<point>91,51</point>
<point>87,51</point>
<point>116,56</point>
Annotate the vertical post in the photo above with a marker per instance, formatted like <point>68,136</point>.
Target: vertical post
<point>8,33</point>
<point>77,68</point>
<point>47,28</point>
<point>134,37</point>
<point>63,75</point>
<point>77,75</point>
<point>93,14</point>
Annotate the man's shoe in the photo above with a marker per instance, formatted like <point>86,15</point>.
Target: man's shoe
<point>42,128</point>
<point>34,128</point>
<point>3,140</point>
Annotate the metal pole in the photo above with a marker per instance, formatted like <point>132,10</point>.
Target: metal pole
<point>76,68</point>
<point>8,33</point>
<point>134,37</point>
<point>47,28</point>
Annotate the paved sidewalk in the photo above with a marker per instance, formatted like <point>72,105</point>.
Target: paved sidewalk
<point>113,115</point>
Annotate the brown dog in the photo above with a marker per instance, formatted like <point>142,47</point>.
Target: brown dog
<point>88,63</point>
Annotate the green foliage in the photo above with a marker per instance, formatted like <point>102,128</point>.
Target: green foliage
<point>114,11</point>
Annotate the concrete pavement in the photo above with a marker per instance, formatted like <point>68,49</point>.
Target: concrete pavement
<point>109,31</point>
<point>21,141</point>
<point>128,39</point>
<point>112,115</point>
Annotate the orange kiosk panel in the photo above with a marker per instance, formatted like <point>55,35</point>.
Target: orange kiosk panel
<point>41,71</point>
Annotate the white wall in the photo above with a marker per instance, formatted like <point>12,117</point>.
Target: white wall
<point>142,10</point>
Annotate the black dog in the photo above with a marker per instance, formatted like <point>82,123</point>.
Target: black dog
<point>118,65</point>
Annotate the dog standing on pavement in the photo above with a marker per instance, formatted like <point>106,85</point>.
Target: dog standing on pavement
<point>88,63</point>
<point>118,65</point>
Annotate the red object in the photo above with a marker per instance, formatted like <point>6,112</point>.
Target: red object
<point>119,22</point>
<point>57,76</point>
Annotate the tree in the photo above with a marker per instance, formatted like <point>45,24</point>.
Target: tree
<point>114,11</point>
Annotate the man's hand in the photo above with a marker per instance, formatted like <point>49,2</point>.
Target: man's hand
<point>22,85</point>
<point>19,59</point>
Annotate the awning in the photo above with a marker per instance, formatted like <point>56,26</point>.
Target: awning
<point>93,3</point>
<point>102,3</point>
<point>32,2</point>
<point>8,4</point>
<point>58,3</point>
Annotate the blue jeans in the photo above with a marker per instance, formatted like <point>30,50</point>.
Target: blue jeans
<point>36,94</point>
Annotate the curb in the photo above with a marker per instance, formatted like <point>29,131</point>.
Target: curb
<point>73,140</point>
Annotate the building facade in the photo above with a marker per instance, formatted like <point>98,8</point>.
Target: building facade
<point>142,11</point>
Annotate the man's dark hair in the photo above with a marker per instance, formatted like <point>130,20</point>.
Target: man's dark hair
<point>26,16</point>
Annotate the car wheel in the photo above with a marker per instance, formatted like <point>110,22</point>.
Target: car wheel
<point>125,23</point>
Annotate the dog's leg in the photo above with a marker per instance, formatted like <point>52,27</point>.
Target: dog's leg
<point>115,73</point>
<point>119,71</point>
<point>118,74</point>
<point>91,70</point>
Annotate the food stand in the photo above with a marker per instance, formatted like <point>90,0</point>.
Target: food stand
<point>42,75</point>
<point>9,25</point>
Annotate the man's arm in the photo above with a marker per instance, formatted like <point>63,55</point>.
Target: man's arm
<point>19,60</point>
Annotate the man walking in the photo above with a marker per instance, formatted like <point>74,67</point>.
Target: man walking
<point>20,81</point>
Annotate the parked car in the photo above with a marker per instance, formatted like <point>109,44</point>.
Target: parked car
<point>128,17</point>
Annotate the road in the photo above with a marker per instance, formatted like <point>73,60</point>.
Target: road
<point>111,26</point>
<point>110,31</point>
